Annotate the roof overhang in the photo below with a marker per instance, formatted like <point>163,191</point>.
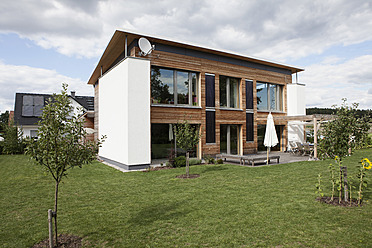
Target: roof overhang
<point>116,47</point>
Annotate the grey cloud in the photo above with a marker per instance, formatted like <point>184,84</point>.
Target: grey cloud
<point>370,91</point>
<point>278,30</point>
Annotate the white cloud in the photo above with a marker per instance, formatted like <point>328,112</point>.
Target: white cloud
<point>327,84</point>
<point>25,79</point>
<point>279,30</point>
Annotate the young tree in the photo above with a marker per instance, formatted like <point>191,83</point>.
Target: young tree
<point>187,138</point>
<point>61,142</point>
<point>345,133</point>
<point>342,136</point>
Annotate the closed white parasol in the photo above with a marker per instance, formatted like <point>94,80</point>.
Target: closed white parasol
<point>270,135</point>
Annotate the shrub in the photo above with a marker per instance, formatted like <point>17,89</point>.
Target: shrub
<point>209,160</point>
<point>180,161</point>
<point>195,161</point>
<point>220,161</point>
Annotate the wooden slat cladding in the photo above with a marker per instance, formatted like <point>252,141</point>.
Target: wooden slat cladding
<point>223,116</point>
<point>175,114</point>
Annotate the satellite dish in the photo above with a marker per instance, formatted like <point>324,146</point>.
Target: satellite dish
<point>145,46</point>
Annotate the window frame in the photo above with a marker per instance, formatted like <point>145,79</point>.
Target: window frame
<point>228,99</point>
<point>279,103</point>
<point>175,87</point>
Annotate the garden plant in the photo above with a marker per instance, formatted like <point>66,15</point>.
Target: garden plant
<point>61,143</point>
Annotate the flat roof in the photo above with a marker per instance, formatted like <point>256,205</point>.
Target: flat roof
<point>116,47</point>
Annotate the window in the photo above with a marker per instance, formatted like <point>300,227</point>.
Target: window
<point>174,87</point>
<point>33,133</point>
<point>32,105</point>
<point>269,96</point>
<point>163,142</point>
<point>210,90</point>
<point>249,94</point>
<point>229,139</point>
<point>210,127</point>
<point>229,92</point>
<point>249,127</point>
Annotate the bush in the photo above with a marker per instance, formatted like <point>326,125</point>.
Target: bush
<point>209,160</point>
<point>194,161</point>
<point>220,161</point>
<point>180,161</point>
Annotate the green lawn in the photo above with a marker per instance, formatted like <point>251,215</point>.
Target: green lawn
<point>227,206</point>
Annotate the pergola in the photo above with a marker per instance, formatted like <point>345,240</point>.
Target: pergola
<point>314,120</point>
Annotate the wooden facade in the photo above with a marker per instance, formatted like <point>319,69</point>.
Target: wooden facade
<point>171,114</point>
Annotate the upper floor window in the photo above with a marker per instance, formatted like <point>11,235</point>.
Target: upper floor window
<point>174,87</point>
<point>269,96</point>
<point>229,92</point>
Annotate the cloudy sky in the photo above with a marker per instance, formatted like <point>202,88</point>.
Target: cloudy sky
<point>46,42</point>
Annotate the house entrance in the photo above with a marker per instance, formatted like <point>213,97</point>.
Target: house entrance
<point>229,139</point>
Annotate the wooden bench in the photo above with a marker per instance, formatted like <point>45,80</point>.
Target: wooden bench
<point>224,156</point>
<point>250,159</point>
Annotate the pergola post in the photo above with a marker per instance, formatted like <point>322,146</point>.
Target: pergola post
<point>315,138</point>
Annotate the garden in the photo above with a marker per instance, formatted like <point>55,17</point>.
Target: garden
<point>227,206</point>
<point>322,203</point>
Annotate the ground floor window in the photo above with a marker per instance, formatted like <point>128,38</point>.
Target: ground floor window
<point>261,129</point>
<point>229,139</point>
<point>163,142</point>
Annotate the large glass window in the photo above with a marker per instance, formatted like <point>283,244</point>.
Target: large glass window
<point>173,87</point>
<point>163,142</point>
<point>229,92</point>
<point>229,138</point>
<point>269,96</point>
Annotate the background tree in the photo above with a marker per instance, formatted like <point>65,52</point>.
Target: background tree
<point>345,133</point>
<point>61,143</point>
<point>4,119</point>
<point>187,138</point>
<point>13,141</point>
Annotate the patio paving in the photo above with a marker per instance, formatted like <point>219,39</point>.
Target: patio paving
<point>285,158</point>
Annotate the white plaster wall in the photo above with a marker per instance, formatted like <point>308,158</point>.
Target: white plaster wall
<point>296,105</point>
<point>27,130</point>
<point>138,111</point>
<point>124,112</point>
<point>296,99</point>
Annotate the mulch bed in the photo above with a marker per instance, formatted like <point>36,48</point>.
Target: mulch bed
<point>335,202</point>
<point>191,176</point>
<point>64,241</point>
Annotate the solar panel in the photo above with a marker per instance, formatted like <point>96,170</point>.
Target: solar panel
<point>28,100</point>
<point>38,110</point>
<point>27,110</point>
<point>38,100</point>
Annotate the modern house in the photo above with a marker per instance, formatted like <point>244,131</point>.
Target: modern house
<point>28,109</point>
<point>227,96</point>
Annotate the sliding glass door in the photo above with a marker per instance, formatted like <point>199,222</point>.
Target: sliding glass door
<point>229,139</point>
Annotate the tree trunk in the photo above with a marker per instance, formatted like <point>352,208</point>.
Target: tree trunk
<point>55,212</point>
<point>187,164</point>
<point>346,191</point>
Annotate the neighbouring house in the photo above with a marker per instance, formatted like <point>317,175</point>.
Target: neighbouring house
<point>28,109</point>
<point>226,95</point>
